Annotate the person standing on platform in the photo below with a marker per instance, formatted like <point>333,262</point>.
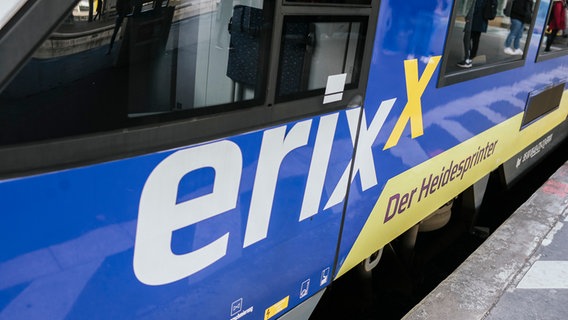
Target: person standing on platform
<point>556,22</point>
<point>475,25</point>
<point>521,12</point>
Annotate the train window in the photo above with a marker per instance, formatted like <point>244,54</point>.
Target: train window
<point>111,64</point>
<point>554,41</point>
<point>315,48</point>
<point>486,36</point>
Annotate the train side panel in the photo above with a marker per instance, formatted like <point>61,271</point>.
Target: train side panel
<point>216,231</point>
<point>253,224</point>
<point>434,142</point>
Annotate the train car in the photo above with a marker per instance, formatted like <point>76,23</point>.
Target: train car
<point>205,159</point>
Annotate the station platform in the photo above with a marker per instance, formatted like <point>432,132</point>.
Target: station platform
<point>519,272</point>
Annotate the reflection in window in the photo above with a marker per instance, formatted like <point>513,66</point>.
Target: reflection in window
<point>314,48</point>
<point>477,40</point>
<point>112,63</point>
<point>556,31</point>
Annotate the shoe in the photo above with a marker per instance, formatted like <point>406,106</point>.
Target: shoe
<point>518,52</point>
<point>509,51</point>
<point>465,63</point>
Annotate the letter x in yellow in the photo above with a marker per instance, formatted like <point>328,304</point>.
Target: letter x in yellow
<point>413,109</point>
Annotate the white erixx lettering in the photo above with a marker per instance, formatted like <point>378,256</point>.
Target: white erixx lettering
<point>364,162</point>
<point>159,215</point>
<point>276,144</point>
<point>318,166</point>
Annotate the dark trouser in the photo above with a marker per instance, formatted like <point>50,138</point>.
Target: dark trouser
<point>471,43</point>
<point>117,24</point>
<point>550,38</point>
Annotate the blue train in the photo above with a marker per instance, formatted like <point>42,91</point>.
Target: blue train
<point>203,159</point>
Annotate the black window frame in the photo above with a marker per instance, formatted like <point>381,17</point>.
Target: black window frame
<point>128,121</point>
<point>81,150</point>
<point>445,79</point>
<point>544,56</point>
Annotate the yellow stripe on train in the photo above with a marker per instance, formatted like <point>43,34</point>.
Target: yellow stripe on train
<point>413,195</point>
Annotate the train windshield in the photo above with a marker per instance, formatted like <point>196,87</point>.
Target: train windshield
<point>112,62</point>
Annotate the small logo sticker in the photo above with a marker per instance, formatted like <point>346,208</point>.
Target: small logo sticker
<point>236,307</point>
<point>305,288</point>
<point>324,276</point>
<point>276,308</point>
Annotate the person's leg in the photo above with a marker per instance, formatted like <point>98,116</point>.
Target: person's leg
<point>117,25</point>
<point>91,5</point>
<point>99,10</point>
<point>467,44</point>
<point>517,32</point>
<point>475,35</point>
<point>550,39</point>
<point>509,38</point>
<point>466,62</point>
